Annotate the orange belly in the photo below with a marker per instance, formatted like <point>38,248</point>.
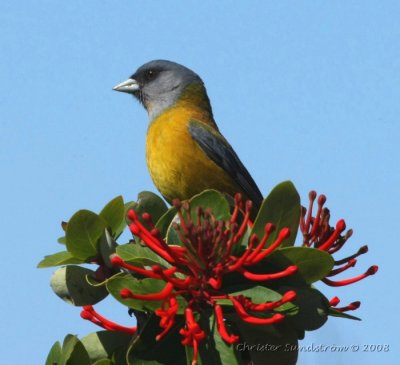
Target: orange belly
<point>177,165</point>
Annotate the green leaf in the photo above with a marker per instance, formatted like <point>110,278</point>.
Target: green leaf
<point>104,362</point>
<point>189,356</point>
<point>73,352</point>
<point>165,221</point>
<point>59,258</point>
<point>70,284</point>
<point>54,355</point>
<point>151,203</point>
<point>107,247</point>
<point>135,361</point>
<point>281,208</point>
<point>227,353</point>
<point>313,264</point>
<point>78,356</point>
<point>114,214</point>
<point>140,255</point>
<point>266,344</point>
<point>259,294</point>
<point>335,313</point>
<point>144,286</point>
<point>139,286</point>
<point>145,350</point>
<point>68,347</point>
<point>313,309</point>
<point>103,344</point>
<point>210,199</point>
<point>172,235</point>
<point>239,248</point>
<point>83,233</point>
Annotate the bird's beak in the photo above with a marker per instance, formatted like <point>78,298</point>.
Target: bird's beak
<point>128,86</point>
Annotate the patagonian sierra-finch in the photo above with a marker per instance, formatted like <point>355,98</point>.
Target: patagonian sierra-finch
<point>185,151</point>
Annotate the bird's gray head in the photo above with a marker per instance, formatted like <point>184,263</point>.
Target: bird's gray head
<point>158,84</point>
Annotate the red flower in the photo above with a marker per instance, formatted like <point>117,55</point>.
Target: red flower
<point>211,249</point>
<point>90,314</point>
<point>204,259</point>
<point>318,233</point>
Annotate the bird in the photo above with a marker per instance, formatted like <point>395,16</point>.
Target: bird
<point>185,151</point>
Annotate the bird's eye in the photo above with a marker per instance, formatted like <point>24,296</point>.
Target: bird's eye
<point>150,75</point>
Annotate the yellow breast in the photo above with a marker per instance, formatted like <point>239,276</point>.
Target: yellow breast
<point>177,165</point>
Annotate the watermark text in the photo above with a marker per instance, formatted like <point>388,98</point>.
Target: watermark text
<point>313,347</point>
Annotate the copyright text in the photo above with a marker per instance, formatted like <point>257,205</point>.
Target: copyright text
<point>313,347</point>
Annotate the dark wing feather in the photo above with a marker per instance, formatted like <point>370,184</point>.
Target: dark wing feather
<point>219,151</point>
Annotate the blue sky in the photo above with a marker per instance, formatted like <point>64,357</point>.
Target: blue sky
<point>306,91</point>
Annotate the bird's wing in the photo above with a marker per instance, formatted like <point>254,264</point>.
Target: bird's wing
<point>218,150</point>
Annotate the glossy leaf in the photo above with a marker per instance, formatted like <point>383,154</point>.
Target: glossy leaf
<point>242,244</point>
<point>67,348</point>
<point>138,286</point>
<point>172,237</point>
<point>210,199</point>
<point>59,258</point>
<point>267,344</point>
<point>70,284</point>
<point>104,362</point>
<point>83,233</point>
<point>79,356</point>
<point>281,208</point>
<point>144,286</point>
<point>151,203</point>
<point>114,214</point>
<point>73,352</point>
<point>259,294</point>
<point>54,355</point>
<point>227,353</point>
<point>140,255</point>
<point>335,313</point>
<point>107,247</point>
<point>189,356</point>
<point>145,350</point>
<point>128,205</point>
<point>165,221</point>
<point>313,309</point>
<point>313,264</point>
<point>103,344</point>
<point>135,361</point>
